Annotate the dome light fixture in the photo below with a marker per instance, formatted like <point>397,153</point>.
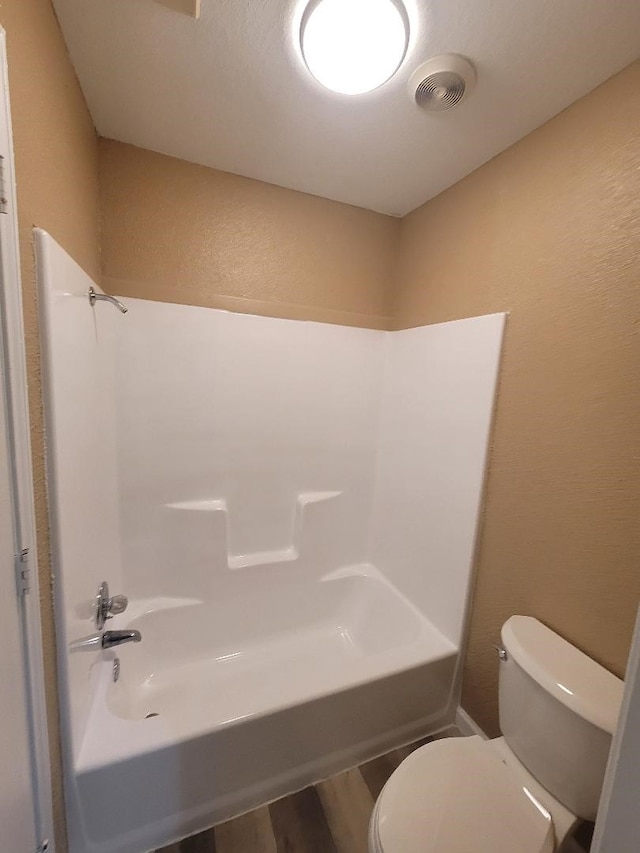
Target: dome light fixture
<point>354,46</point>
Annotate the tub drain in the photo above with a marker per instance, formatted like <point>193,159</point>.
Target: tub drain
<point>152,714</point>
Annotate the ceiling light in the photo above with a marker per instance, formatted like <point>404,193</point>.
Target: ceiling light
<point>354,46</point>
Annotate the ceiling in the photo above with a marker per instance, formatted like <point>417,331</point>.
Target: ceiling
<point>230,91</point>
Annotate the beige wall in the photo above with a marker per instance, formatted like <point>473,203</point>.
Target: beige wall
<point>57,178</point>
<point>550,232</point>
<point>178,232</point>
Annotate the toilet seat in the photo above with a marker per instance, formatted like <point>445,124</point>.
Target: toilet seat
<point>455,795</point>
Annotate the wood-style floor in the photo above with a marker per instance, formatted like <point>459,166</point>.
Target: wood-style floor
<point>330,817</point>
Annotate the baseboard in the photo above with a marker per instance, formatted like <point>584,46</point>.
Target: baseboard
<point>467,725</point>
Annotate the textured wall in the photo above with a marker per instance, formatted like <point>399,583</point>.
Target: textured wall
<point>57,178</point>
<point>177,232</point>
<point>550,232</point>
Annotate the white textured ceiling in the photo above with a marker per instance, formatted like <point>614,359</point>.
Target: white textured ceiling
<point>229,90</point>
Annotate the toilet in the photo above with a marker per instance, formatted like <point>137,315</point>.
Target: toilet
<point>524,792</point>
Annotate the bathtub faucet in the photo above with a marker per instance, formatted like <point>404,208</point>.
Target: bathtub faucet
<point>117,638</point>
<point>105,641</point>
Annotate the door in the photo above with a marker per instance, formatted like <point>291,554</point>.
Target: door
<point>17,815</point>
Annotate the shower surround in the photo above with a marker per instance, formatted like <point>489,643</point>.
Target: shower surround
<point>291,509</point>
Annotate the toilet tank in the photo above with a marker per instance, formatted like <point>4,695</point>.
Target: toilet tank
<point>558,712</point>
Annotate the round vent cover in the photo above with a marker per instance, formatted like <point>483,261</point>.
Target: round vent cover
<point>441,83</point>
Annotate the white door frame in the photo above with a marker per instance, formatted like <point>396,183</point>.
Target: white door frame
<point>618,825</point>
<point>22,475</point>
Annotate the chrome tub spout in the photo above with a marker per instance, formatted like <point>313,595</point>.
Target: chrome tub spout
<point>117,638</point>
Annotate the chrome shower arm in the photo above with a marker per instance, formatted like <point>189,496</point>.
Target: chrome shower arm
<point>94,297</point>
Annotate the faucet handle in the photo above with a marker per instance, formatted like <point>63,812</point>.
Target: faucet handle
<point>108,606</point>
<point>117,604</point>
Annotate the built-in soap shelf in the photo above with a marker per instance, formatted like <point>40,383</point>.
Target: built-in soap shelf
<point>313,514</point>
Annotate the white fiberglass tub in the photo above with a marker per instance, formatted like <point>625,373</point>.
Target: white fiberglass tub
<point>234,476</point>
<point>231,703</point>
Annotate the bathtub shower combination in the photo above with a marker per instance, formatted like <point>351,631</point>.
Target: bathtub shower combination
<point>291,510</point>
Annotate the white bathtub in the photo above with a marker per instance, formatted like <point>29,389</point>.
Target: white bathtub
<point>228,704</point>
<point>219,469</point>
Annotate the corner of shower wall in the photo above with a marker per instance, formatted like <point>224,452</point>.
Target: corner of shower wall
<point>436,412</point>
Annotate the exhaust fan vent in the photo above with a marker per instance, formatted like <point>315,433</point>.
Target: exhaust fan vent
<point>441,83</point>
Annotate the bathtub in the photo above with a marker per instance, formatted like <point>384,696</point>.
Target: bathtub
<point>291,508</point>
<point>227,704</point>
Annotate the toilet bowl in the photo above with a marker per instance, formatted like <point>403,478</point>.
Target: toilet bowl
<point>461,795</point>
<point>524,792</point>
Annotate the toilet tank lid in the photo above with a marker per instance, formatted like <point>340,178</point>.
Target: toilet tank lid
<point>573,678</point>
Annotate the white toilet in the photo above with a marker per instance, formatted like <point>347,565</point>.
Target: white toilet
<point>524,792</point>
